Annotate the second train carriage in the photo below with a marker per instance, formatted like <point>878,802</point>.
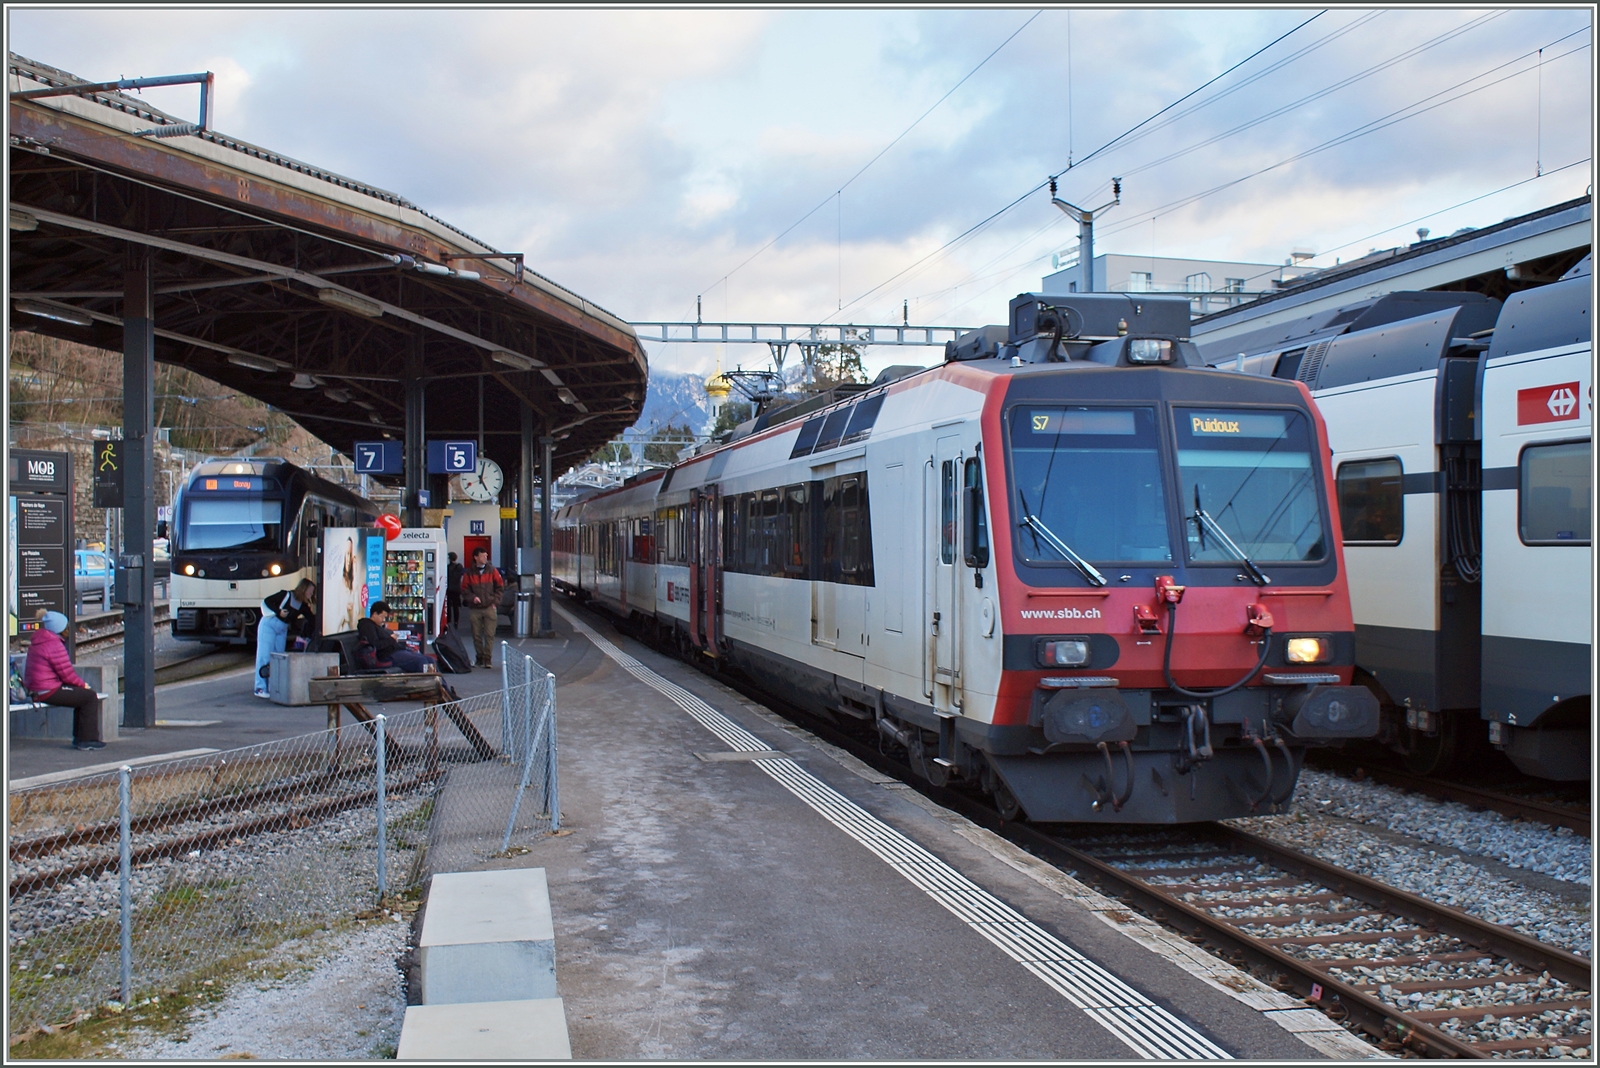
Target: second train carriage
<point>1070,566</point>
<point>1461,434</point>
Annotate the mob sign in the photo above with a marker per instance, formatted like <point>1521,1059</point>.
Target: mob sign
<point>39,538</point>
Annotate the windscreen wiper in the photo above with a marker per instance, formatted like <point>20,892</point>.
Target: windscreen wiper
<point>1202,520</point>
<point>1035,524</point>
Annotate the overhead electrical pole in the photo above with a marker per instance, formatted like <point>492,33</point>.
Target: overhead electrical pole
<point>1085,221</point>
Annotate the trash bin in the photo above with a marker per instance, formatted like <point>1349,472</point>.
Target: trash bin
<point>524,617</point>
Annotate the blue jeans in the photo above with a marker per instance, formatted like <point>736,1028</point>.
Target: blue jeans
<point>409,662</point>
<point>272,634</point>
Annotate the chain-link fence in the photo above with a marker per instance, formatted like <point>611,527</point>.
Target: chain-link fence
<point>157,877</point>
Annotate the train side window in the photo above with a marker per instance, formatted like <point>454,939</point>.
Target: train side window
<point>1554,489</point>
<point>947,512</point>
<point>770,562</point>
<point>794,544</point>
<point>1288,364</point>
<point>807,438</point>
<point>1371,506</point>
<point>846,554</point>
<point>975,530</point>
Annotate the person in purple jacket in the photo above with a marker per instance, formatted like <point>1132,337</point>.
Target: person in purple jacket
<point>50,680</point>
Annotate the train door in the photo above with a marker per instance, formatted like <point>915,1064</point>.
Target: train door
<point>705,571</point>
<point>942,573</point>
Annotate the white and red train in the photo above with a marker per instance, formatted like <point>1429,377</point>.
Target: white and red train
<point>1071,567</point>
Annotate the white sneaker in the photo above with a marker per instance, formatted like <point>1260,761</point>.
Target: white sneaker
<point>263,696</point>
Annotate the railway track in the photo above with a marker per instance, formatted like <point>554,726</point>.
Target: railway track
<point>105,628</point>
<point>1414,975</point>
<point>1578,818</point>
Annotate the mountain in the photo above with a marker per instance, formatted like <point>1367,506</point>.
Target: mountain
<point>674,398</point>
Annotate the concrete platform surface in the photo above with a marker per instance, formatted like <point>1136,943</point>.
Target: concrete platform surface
<point>533,1030</point>
<point>487,936</point>
<point>782,901</point>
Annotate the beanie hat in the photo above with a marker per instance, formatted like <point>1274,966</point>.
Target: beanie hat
<point>55,622</point>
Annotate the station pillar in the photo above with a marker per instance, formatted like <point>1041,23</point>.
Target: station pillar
<point>546,451</point>
<point>136,566</point>
<point>416,449</point>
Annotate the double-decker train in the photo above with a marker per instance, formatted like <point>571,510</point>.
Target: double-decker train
<point>1071,567</point>
<point>1461,436</point>
<point>243,529</point>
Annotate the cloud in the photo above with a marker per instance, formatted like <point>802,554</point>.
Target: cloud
<point>639,157</point>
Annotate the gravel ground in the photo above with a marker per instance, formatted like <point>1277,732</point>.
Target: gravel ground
<point>1557,852</point>
<point>1446,879</point>
<point>348,1004</point>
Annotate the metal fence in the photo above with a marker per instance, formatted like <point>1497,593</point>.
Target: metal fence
<point>156,878</point>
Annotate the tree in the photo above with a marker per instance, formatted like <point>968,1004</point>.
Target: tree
<point>836,364</point>
<point>662,449</point>
<point>612,452</point>
<point>731,414</point>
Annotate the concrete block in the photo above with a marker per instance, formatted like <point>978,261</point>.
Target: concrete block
<point>488,936</point>
<point>292,672</point>
<point>532,1030</point>
<point>104,680</point>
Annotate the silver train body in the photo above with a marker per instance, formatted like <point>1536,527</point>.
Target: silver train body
<point>1461,433</point>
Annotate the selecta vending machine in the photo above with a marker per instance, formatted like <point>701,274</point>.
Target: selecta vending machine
<point>414,576</point>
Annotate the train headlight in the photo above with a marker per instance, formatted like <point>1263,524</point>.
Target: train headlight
<point>1064,652</point>
<point>276,569</point>
<point>188,569</point>
<point>1149,350</point>
<point>1308,651</point>
<point>202,572</point>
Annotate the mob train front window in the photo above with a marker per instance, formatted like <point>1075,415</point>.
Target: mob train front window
<point>1251,476</point>
<point>232,523</point>
<point>1091,477</point>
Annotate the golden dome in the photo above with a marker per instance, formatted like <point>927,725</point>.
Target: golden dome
<point>717,386</point>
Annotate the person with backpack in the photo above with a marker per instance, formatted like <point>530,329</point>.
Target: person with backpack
<point>481,587</point>
<point>51,680</point>
<point>281,612</point>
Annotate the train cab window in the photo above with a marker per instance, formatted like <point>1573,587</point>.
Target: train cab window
<point>1554,489</point>
<point>947,512</point>
<point>1251,472</point>
<point>1091,479</point>
<point>1370,502</point>
<point>232,523</point>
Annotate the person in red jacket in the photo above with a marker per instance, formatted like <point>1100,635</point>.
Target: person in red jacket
<point>51,680</point>
<point>481,587</point>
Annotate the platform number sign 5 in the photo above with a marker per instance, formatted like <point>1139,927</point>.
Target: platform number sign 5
<point>1548,404</point>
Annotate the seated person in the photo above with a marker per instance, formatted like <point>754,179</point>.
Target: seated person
<point>50,679</point>
<point>386,649</point>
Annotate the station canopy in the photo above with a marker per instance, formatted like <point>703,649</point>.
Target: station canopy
<point>314,293</point>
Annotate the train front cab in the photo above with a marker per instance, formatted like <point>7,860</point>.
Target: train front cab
<point>1055,692</point>
<point>1537,491</point>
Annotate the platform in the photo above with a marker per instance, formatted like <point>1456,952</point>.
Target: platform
<point>733,889</point>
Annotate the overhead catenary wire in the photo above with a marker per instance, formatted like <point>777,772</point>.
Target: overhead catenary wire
<point>981,224</point>
<point>881,152</point>
<point>1383,122</point>
<point>1409,111</point>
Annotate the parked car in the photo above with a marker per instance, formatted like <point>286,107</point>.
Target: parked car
<point>89,572</point>
<point>89,575</point>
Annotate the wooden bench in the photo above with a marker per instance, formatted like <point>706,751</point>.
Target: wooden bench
<point>353,693</point>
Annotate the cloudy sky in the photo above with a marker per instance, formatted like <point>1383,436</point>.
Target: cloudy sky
<point>644,158</point>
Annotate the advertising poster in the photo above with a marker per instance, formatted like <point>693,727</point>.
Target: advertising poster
<point>373,590</point>
<point>344,580</point>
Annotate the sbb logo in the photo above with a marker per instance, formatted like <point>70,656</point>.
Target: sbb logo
<point>1547,404</point>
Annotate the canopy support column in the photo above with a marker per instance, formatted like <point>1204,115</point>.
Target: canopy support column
<point>547,449</point>
<point>139,499</point>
